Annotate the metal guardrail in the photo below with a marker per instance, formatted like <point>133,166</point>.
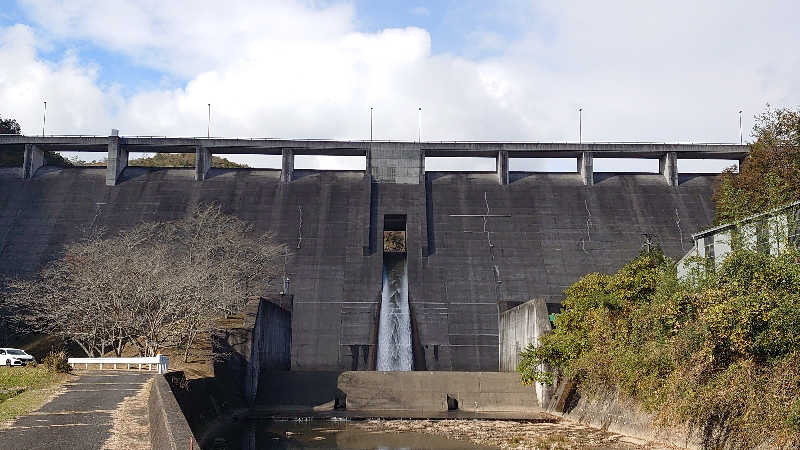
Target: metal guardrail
<point>160,361</point>
<point>222,138</point>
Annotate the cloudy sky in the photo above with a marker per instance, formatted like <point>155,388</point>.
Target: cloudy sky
<point>507,70</point>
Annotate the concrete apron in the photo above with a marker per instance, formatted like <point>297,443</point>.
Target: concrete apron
<point>428,394</point>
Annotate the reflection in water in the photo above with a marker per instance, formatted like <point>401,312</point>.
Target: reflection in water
<point>394,328</point>
<point>269,434</point>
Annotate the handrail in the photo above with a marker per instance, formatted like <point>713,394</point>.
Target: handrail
<point>160,361</point>
<point>366,141</point>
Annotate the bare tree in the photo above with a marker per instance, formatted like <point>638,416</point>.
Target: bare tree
<point>155,285</point>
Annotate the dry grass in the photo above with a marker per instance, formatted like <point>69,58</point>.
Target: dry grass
<point>130,428</point>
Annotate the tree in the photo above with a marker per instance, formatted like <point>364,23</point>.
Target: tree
<point>770,175</point>
<point>15,159</point>
<point>155,285</point>
<point>9,126</point>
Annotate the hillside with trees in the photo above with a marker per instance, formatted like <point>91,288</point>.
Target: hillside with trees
<point>770,176</point>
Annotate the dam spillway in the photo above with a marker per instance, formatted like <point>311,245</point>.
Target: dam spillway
<point>394,327</point>
<point>547,229</point>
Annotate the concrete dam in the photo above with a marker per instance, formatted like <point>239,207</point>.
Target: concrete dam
<point>478,243</point>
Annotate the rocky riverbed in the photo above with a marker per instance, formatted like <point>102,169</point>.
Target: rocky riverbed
<point>558,434</point>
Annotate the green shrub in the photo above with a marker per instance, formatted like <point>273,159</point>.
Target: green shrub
<point>720,353</point>
<point>57,362</point>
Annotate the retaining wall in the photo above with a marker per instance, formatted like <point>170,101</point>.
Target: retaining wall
<point>262,343</point>
<point>608,411</point>
<point>168,426</point>
<point>419,392</point>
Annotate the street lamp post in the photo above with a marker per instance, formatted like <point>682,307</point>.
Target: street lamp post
<point>419,125</point>
<point>741,136</point>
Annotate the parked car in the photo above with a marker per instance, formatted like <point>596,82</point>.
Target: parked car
<point>15,357</point>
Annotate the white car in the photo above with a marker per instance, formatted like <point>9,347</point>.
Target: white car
<point>14,357</point>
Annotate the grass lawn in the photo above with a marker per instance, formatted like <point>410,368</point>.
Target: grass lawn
<point>25,389</point>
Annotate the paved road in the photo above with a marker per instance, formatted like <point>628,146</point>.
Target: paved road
<point>79,418</point>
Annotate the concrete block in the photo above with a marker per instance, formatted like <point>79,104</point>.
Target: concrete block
<point>668,167</point>
<point>32,161</point>
<point>117,160</point>
<point>287,165</point>
<point>501,164</point>
<point>586,168</point>
<point>202,162</point>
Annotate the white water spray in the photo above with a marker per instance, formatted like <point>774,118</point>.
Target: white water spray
<point>394,328</point>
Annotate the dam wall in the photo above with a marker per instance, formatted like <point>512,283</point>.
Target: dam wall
<point>478,243</point>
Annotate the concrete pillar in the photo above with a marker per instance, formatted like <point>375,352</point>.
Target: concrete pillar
<point>368,166</point>
<point>287,165</point>
<point>502,167</point>
<point>117,160</point>
<point>32,161</point>
<point>586,168</point>
<point>421,166</point>
<point>202,162</point>
<point>668,166</point>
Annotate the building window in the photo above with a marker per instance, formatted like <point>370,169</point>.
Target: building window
<point>793,219</point>
<point>708,243</point>
<point>762,237</point>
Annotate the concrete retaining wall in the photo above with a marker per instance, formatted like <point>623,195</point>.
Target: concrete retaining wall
<point>397,391</point>
<point>611,413</point>
<point>168,426</point>
<point>520,326</point>
<point>263,342</point>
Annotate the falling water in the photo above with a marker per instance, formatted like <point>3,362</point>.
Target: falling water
<point>394,328</point>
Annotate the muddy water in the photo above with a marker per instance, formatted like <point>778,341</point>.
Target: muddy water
<point>269,434</point>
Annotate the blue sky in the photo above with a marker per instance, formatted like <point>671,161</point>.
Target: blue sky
<point>507,70</point>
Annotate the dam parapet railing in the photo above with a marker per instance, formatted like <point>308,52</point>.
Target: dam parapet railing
<point>400,162</point>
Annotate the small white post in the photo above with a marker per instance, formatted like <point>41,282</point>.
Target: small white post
<point>87,366</point>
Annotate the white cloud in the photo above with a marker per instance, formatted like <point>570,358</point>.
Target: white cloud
<point>76,104</point>
<point>641,71</point>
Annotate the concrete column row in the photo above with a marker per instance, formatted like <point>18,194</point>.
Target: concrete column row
<point>667,166</point>
<point>118,161</point>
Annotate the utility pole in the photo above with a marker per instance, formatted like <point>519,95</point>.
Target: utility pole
<point>208,134</point>
<point>44,117</point>
<point>580,125</point>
